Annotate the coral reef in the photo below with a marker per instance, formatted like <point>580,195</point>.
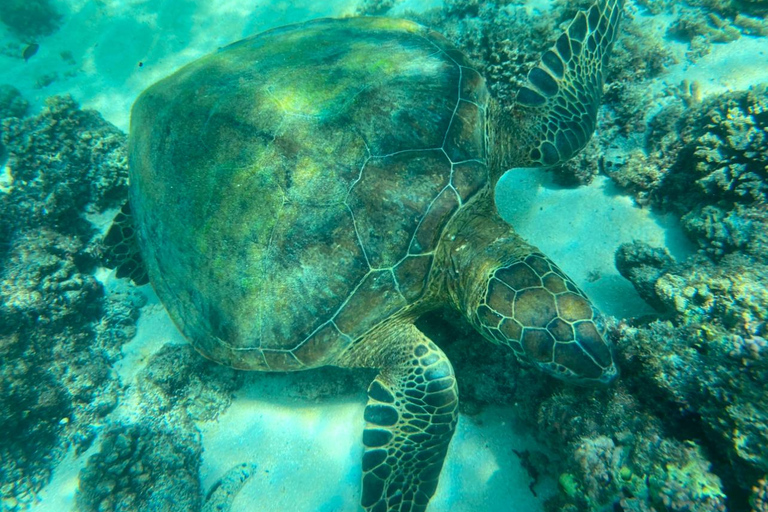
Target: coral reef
<point>64,162</point>
<point>708,361</point>
<point>725,157</point>
<point>153,454</point>
<point>149,465</point>
<point>12,103</point>
<point>701,364</point>
<point>618,457</point>
<point>759,499</point>
<point>60,331</point>
<point>33,409</point>
<point>709,164</point>
<point>178,377</point>
<point>30,18</point>
<point>643,265</point>
<point>702,23</point>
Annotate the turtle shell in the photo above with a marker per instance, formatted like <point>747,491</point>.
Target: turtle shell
<point>290,189</point>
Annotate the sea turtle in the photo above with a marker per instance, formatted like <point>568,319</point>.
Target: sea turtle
<point>302,196</point>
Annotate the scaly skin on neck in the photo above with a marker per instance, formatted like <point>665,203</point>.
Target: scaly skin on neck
<point>473,246</point>
<point>515,296</point>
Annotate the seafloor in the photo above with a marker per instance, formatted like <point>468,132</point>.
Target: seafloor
<point>662,220</point>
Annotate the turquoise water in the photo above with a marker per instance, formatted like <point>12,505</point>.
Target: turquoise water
<point>661,221</point>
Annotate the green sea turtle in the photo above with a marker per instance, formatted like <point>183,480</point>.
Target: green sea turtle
<point>302,196</point>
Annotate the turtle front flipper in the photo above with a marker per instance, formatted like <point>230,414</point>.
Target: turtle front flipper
<point>557,108</point>
<point>122,249</point>
<point>410,419</point>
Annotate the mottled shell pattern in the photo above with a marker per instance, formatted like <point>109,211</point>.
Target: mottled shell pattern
<point>304,176</point>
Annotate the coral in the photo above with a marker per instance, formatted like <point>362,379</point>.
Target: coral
<point>711,27</point>
<point>709,164</point>
<point>374,7</point>
<point>726,158</point>
<point>64,162</point>
<point>33,407</point>
<point>687,484</point>
<point>599,459</point>
<point>725,228</point>
<point>753,25</point>
<point>702,23</point>
<point>617,457</point>
<point>42,284</point>
<point>144,463</point>
<point>639,174</point>
<point>117,323</point>
<point>731,7</point>
<point>732,295</point>
<point>678,479</point>
<point>643,265</point>
<point>12,103</point>
<point>178,377</point>
<point>30,18</point>
<point>60,335</point>
<point>759,499</point>
<point>148,465</point>
<point>503,40</point>
<point>708,363</point>
<point>728,146</point>
<point>60,331</point>
<point>753,6</point>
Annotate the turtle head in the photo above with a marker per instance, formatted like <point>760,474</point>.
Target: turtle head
<point>530,305</point>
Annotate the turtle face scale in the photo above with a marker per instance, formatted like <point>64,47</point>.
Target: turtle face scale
<point>531,306</point>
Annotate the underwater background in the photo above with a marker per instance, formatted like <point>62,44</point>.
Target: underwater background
<point>662,220</point>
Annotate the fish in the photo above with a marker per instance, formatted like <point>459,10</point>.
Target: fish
<point>29,51</point>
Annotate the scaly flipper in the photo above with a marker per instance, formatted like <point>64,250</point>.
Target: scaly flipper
<point>122,250</point>
<point>410,419</point>
<point>560,100</point>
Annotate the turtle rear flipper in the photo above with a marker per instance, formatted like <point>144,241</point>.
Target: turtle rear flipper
<point>410,419</point>
<point>122,250</point>
<point>561,97</point>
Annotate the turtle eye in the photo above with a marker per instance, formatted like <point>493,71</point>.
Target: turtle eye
<point>531,306</point>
